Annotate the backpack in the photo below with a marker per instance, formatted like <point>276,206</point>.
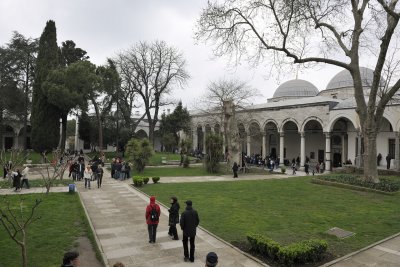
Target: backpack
<point>153,214</point>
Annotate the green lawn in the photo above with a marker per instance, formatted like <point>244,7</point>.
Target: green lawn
<point>176,171</point>
<point>62,221</point>
<point>156,159</point>
<point>37,183</point>
<point>288,210</point>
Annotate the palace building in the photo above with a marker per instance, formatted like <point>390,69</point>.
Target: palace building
<point>301,121</point>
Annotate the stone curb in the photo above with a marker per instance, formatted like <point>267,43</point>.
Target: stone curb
<point>211,234</point>
<point>103,256</point>
<point>359,251</point>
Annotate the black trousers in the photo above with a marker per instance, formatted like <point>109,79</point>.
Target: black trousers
<point>185,246</point>
<point>25,181</point>
<point>99,180</point>
<point>172,231</point>
<point>235,174</point>
<point>152,229</point>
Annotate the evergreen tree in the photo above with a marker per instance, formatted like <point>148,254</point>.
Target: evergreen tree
<point>45,116</point>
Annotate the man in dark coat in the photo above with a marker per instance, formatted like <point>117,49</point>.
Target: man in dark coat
<point>388,159</point>
<point>173,218</point>
<point>189,222</point>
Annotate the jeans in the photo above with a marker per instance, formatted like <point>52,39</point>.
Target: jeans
<point>185,247</point>
<point>152,229</point>
<point>25,181</point>
<point>87,182</point>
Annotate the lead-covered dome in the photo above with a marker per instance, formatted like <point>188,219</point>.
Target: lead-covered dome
<point>343,79</point>
<point>296,88</point>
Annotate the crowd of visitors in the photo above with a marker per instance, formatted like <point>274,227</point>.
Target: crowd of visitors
<point>120,169</point>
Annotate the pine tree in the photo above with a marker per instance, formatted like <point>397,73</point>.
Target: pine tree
<point>45,116</point>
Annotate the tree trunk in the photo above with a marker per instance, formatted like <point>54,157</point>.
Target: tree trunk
<point>64,132</point>
<point>100,125</point>
<point>26,103</point>
<point>1,128</point>
<point>23,250</point>
<point>369,157</point>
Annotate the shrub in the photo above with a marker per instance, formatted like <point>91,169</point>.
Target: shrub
<point>155,179</point>
<point>139,152</point>
<point>186,162</point>
<point>137,181</point>
<point>214,152</point>
<point>146,180</point>
<point>384,184</point>
<point>283,169</point>
<point>301,252</point>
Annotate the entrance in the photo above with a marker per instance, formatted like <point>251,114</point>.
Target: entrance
<point>8,142</point>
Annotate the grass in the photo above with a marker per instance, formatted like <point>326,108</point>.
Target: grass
<point>52,235</point>
<point>156,159</point>
<point>288,210</point>
<point>176,171</point>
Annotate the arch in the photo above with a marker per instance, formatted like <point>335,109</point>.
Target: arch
<point>207,129</point>
<point>286,121</point>
<point>311,118</point>
<point>330,125</point>
<point>384,128</point>
<point>217,128</point>
<point>8,129</point>
<point>270,121</point>
<point>28,130</point>
<point>253,122</point>
<point>141,134</point>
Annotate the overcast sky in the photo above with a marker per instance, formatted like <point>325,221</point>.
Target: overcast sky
<point>103,28</point>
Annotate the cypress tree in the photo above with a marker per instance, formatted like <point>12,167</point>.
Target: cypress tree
<point>45,116</point>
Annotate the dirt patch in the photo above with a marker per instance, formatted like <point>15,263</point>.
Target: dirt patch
<point>244,246</point>
<point>87,254</point>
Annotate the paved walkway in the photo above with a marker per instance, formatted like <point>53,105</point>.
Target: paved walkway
<point>117,214</point>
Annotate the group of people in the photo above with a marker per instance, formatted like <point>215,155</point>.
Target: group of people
<point>120,169</point>
<point>92,172</point>
<point>188,222</point>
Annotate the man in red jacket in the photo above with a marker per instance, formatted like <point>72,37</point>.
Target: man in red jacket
<point>152,218</point>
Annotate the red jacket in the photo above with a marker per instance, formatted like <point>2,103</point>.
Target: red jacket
<point>149,208</point>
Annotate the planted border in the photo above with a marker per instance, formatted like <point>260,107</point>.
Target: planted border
<point>296,253</point>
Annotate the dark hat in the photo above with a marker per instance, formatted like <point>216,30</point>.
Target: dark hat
<point>211,259</point>
<point>188,202</point>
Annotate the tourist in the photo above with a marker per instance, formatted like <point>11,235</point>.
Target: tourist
<point>100,173</point>
<point>294,167</point>
<point>16,180</point>
<point>317,167</point>
<point>152,218</point>
<point>173,218</point>
<point>87,175</point>
<point>235,169</point>
<point>211,259</point>
<point>189,222</point>
<point>322,167</point>
<point>306,167</point>
<point>81,169</point>
<point>25,172</point>
<point>388,159</point>
<point>71,259</point>
<point>113,162</point>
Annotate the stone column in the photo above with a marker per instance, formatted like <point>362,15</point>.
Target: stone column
<point>397,152</point>
<point>16,141</point>
<point>195,139</point>
<point>328,151</point>
<point>223,144</point>
<point>248,152</point>
<point>281,147</point>
<point>264,146</point>
<point>302,148</point>
<point>204,138</point>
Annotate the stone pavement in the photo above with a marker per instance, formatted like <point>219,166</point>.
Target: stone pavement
<point>385,253</point>
<point>117,212</point>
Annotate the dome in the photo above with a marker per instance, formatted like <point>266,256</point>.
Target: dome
<point>344,79</point>
<point>296,88</point>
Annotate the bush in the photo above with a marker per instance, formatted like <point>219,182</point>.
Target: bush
<point>301,252</point>
<point>146,180</point>
<point>139,152</point>
<point>283,169</point>
<point>137,181</point>
<point>186,161</point>
<point>384,184</point>
<point>214,152</point>
<point>155,179</point>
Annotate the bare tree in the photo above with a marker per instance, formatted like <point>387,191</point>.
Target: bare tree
<point>16,224</point>
<point>53,170</point>
<point>222,100</point>
<point>151,70</point>
<point>12,159</point>
<point>338,33</point>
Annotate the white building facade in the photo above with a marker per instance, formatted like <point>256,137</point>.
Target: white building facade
<point>300,121</point>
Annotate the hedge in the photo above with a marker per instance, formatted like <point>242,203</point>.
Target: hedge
<point>155,179</point>
<point>385,185</point>
<point>137,181</point>
<point>301,252</point>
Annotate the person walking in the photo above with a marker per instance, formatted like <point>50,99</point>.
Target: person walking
<point>25,172</point>
<point>152,218</point>
<point>235,169</point>
<point>211,259</point>
<point>306,167</point>
<point>100,173</point>
<point>87,175</point>
<point>17,180</point>
<point>294,168</point>
<point>189,222</point>
<point>388,159</point>
<point>173,218</point>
